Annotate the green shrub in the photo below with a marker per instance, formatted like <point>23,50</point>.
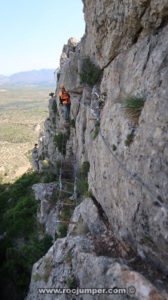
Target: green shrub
<point>37,277</point>
<point>21,219</point>
<point>90,74</point>
<point>82,186</point>
<point>1,179</point>
<point>66,212</point>
<point>85,168</point>
<point>48,177</point>
<point>96,132</point>
<point>23,185</point>
<point>68,258</point>
<point>54,120</point>
<point>133,106</point>
<point>89,194</point>
<point>54,106</point>
<point>21,247</point>
<point>129,140</point>
<point>146,239</point>
<point>82,183</point>
<point>71,282</point>
<point>72,123</point>
<point>63,228</point>
<point>60,141</point>
<point>47,269</point>
<point>114,147</point>
<point>20,261</point>
<point>54,200</point>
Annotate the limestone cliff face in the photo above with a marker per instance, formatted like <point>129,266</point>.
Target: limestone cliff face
<point>129,41</point>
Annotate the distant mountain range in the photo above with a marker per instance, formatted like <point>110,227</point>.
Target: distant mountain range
<point>44,77</point>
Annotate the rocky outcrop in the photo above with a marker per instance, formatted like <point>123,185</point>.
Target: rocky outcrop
<point>128,160</point>
<point>114,27</point>
<point>74,262</point>
<point>132,209</point>
<point>46,195</point>
<point>71,260</point>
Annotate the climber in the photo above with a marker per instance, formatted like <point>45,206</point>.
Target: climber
<point>65,100</point>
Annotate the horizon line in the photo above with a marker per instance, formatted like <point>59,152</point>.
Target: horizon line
<point>25,71</point>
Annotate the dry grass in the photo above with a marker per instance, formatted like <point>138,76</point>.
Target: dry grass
<point>133,106</point>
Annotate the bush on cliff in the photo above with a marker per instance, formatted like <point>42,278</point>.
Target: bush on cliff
<point>133,106</point>
<point>90,74</point>
<point>20,245</point>
<point>82,183</point>
<point>60,141</point>
<point>54,107</point>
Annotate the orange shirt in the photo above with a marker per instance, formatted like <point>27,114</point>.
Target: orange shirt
<point>65,98</point>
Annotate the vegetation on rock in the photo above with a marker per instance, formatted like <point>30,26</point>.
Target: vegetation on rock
<point>129,139</point>
<point>96,132</point>
<point>133,106</point>
<point>90,74</point>
<point>20,245</point>
<point>114,147</point>
<point>60,142</point>
<point>82,184</point>
<point>54,106</point>
<point>72,123</point>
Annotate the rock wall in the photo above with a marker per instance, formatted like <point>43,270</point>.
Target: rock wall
<point>81,261</point>
<point>129,41</point>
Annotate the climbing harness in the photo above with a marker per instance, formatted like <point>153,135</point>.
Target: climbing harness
<point>64,96</point>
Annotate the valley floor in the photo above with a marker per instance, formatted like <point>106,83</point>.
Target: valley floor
<point>22,114</point>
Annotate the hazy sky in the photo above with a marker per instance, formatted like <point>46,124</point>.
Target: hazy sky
<point>33,32</point>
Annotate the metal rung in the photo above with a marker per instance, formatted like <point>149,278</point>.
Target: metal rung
<point>64,199</point>
<point>69,159</point>
<point>66,222</point>
<point>67,204</point>
<point>69,166</point>
<point>67,192</point>
<point>67,182</point>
